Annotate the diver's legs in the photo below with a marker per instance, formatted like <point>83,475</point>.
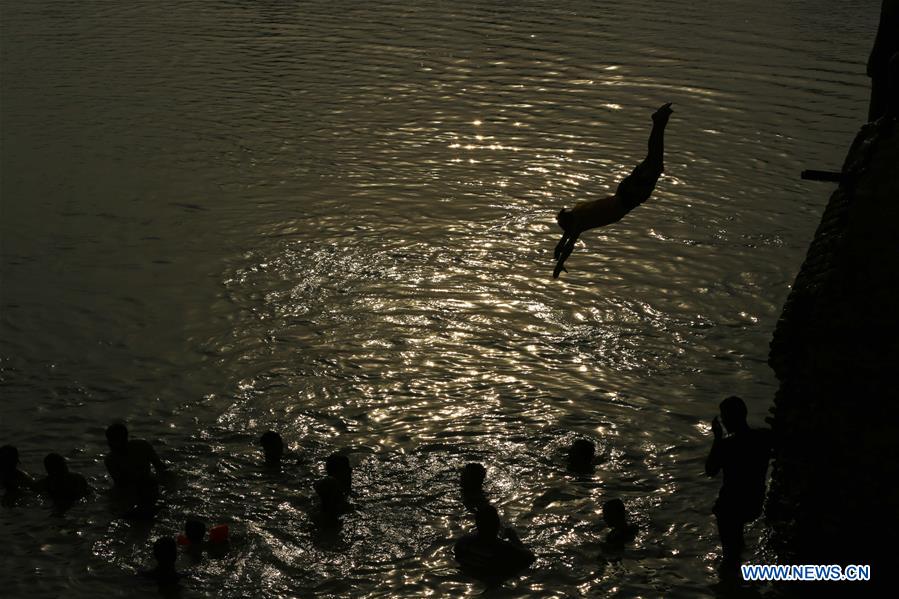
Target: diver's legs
<point>655,154</point>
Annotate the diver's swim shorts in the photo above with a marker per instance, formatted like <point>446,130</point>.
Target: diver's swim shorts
<point>637,187</point>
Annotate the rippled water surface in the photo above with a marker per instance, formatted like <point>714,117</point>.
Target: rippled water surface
<point>336,219</point>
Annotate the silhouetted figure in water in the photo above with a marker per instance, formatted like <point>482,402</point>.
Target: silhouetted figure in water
<point>883,74</point>
<point>129,461</point>
<point>332,501</point>
<point>14,480</point>
<point>632,191</point>
<point>273,448</point>
<point>621,531</point>
<point>580,456</point>
<point>64,488</point>
<point>485,555</point>
<point>165,550</point>
<point>743,455</point>
<point>193,539</point>
<point>144,495</point>
<point>338,466</point>
<point>471,481</point>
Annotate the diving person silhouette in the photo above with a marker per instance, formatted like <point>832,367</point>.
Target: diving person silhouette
<point>632,191</point>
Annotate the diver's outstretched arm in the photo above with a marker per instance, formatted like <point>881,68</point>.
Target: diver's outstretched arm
<point>563,250</point>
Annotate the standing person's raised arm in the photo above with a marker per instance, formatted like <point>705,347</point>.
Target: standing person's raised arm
<point>714,462</point>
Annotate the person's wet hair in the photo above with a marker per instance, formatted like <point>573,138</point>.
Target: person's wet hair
<point>487,520</point>
<point>580,455</point>
<point>194,530</point>
<point>273,446</point>
<point>55,464</point>
<point>117,436</point>
<point>338,466</point>
<point>614,514</point>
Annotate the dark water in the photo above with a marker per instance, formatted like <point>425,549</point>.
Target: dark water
<point>336,220</point>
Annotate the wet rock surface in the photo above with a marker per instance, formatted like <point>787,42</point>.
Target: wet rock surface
<point>834,495</point>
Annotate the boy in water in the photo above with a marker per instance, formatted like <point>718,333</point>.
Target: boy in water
<point>129,461</point>
<point>64,488</point>
<point>166,553</point>
<point>485,554</point>
<point>12,478</point>
<point>338,466</point>
<point>620,530</point>
<point>743,455</point>
<point>471,480</point>
<point>580,456</point>
<point>332,502</point>
<point>632,191</point>
<point>272,448</point>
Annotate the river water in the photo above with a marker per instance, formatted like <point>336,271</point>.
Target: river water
<point>336,220</point>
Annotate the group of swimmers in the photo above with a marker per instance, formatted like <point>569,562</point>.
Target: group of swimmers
<point>492,551</point>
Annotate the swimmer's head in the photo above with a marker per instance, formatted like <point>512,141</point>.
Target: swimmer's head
<point>614,514</point>
<point>338,466</point>
<point>472,478</point>
<point>9,458</point>
<point>580,455</point>
<point>165,550</point>
<point>272,446</point>
<point>117,436</point>
<point>194,530</point>
<point>733,413</point>
<point>487,521</point>
<point>55,464</point>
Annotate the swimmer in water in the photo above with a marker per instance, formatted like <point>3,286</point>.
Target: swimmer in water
<point>484,554</point>
<point>129,461</point>
<point>472,483</point>
<point>165,550</point>
<point>632,191</point>
<point>338,466</point>
<point>580,456</point>
<point>332,501</point>
<point>620,530</point>
<point>64,488</point>
<point>193,539</point>
<point>272,447</point>
<point>13,479</point>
